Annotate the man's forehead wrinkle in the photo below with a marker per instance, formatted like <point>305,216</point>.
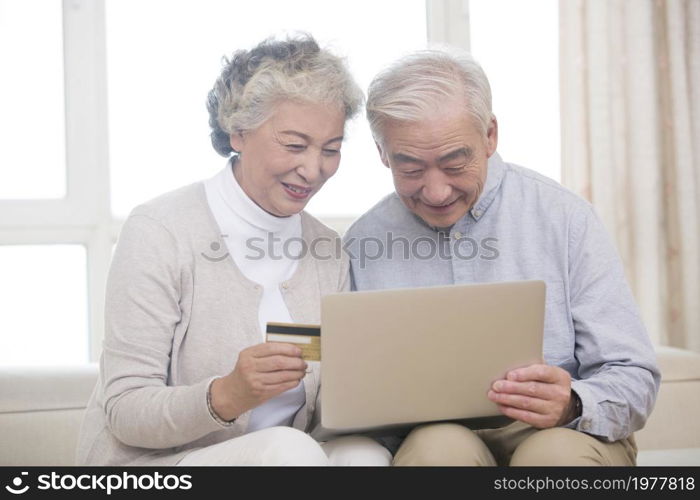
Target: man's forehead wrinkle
<point>448,144</point>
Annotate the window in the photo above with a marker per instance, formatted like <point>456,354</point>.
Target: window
<point>520,54</point>
<point>32,126</point>
<point>44,297</point>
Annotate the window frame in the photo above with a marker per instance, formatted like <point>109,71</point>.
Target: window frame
<point>83,216</point>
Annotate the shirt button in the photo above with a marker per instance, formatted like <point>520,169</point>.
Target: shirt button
<point>256,287</point>
<point>457,235</point>
<point>477,213</point>
<point>586,425</point>
<point>285,285</point>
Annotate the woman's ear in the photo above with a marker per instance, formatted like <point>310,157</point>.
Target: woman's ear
<point>237,141</point>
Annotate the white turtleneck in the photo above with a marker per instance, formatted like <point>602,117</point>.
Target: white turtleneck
<point>250,226</point>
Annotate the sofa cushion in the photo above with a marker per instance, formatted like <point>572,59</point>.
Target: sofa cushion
<point>674,424</point>
<point>26,389</point>
<point>39,437</point>
<point>678,364</point>
<point>41,409</point>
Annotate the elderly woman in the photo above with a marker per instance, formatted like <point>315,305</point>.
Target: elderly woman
<point>185,375</point>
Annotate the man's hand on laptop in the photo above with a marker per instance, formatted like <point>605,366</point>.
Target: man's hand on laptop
<point>539,395</point>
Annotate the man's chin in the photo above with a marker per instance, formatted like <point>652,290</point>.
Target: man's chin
<point>440,223</point>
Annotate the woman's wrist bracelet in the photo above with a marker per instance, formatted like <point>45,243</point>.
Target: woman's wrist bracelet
<point>215,416</point>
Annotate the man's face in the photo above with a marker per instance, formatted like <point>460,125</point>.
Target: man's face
<point>439,163</point>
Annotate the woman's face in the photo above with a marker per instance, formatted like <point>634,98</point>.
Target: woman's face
<point>286,160</point>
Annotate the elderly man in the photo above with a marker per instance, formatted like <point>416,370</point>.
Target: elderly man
<point>430,115</point>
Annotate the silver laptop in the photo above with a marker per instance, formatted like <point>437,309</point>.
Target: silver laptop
<point>414,355</point>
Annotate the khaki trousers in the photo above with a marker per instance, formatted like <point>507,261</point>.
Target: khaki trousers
<point>515,444</point>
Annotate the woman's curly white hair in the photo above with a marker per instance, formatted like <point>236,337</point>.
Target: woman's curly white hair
<point>253,81</point>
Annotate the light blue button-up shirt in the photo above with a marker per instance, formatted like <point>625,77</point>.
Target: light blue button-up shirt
<point>526,226</point>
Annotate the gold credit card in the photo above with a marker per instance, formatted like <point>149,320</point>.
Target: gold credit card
<point>307,337</point>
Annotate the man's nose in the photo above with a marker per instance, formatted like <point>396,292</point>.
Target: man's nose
<point>437,189</point>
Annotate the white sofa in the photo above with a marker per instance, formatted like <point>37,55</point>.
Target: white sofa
<point>671,435</point>
<point>41,410</point>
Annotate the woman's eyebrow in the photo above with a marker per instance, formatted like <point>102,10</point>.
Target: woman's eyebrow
<point>298,134</point>
<point>308,138</point>
<point>335,139</point>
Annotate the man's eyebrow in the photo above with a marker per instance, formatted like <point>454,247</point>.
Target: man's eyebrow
<point>307,138</point>
<point>461,152</point>
<point>404,158</point>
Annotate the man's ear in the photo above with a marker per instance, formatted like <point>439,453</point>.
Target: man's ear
<point>237,141</point>
<point>382,155</point>
<point>492,137</point>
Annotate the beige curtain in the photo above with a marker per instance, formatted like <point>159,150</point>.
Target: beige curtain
<point>630,108</point>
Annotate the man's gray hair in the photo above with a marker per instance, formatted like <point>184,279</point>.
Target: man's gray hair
<point>418,84</point>
<point>253,82</point>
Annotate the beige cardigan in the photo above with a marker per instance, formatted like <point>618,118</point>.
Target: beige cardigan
<point>174,320</point>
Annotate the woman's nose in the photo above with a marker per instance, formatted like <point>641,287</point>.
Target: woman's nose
<point>311,167</point>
